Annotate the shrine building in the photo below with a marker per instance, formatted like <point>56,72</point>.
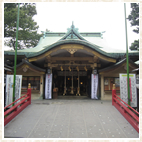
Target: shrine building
<point>70,59</point>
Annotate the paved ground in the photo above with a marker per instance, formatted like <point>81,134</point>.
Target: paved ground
<point>70,118</point>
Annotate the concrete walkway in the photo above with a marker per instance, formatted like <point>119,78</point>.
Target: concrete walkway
<point>70,118</point>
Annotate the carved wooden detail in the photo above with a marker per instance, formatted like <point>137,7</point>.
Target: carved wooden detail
<point>71,50</point>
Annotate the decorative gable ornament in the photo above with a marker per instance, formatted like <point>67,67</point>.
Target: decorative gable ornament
<point>71,50</point>
<point>25,68</point>
<point>72,33</point>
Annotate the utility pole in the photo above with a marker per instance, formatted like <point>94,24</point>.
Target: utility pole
<point>127,56</point>
<point>15,62</point>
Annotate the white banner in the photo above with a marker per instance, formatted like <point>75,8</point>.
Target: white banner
<point>133,90</point>
<point>9,88</point>
<point>48,86</point>
<point>94,86</point>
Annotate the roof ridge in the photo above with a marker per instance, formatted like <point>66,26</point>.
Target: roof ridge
<point>72,31</point>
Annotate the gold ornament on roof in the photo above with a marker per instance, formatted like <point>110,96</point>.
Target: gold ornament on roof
<point>71,50</point>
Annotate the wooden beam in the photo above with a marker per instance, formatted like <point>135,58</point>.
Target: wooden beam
<point>74,65</point>
<point>72,58</point>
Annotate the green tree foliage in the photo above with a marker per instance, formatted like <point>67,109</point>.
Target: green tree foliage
<point>135,45</point>
<point>27,33</point>
<point>134,20</point>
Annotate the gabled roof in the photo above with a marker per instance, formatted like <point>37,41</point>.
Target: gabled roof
<point>24,61</point>
<point>116,65</point>
<point>71,41</point>
<point>92,40</point>
<point>72,34</point>
<point>7,68</point>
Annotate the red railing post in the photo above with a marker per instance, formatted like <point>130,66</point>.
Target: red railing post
<point>29,92</point>
<point>131,115</point>
<point>13,111</point>
<point>113,92</point>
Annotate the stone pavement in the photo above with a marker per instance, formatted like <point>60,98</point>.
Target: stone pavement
<point>70,118</point>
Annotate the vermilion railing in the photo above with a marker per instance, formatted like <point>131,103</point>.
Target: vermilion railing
<point>131,115</point>
<point>10,113</point>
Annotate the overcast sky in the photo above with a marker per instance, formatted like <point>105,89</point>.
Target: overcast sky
<point>87,17</point>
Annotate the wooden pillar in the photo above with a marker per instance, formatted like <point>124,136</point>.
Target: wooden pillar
<point>78,84</point>
<point>65,83</point>
<point>102,87</point>
<point>78,89</point>
<point>72,83</point>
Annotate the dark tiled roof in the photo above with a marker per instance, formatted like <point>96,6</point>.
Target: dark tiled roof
<point>31,65</point>
<point>118,64</point>
<point>73,41</point>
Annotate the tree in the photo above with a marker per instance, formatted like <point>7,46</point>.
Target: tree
<point>27,33</point>
<point>134,21</point>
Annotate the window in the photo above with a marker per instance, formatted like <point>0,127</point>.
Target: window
<point>109,81</point>
<point>24,83</point>
<point>33,80</point>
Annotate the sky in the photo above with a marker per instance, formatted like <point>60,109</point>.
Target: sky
<point>87,17</point>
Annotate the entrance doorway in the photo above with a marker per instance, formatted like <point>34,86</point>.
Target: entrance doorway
<point>74,81</point>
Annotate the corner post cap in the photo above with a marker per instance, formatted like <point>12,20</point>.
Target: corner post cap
<point>113,88</point>
<point>29,86</point>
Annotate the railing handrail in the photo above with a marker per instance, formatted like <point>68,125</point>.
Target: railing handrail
<point>12,112</point>
<point>131,115</point>
<point>16,100</point>
<point>15,106</point>
<point>126,104</point>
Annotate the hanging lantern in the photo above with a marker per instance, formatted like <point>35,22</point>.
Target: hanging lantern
<point>77,68</point>
<point>69,68</point>
<point>85,68</point>
<point>61,68</point>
